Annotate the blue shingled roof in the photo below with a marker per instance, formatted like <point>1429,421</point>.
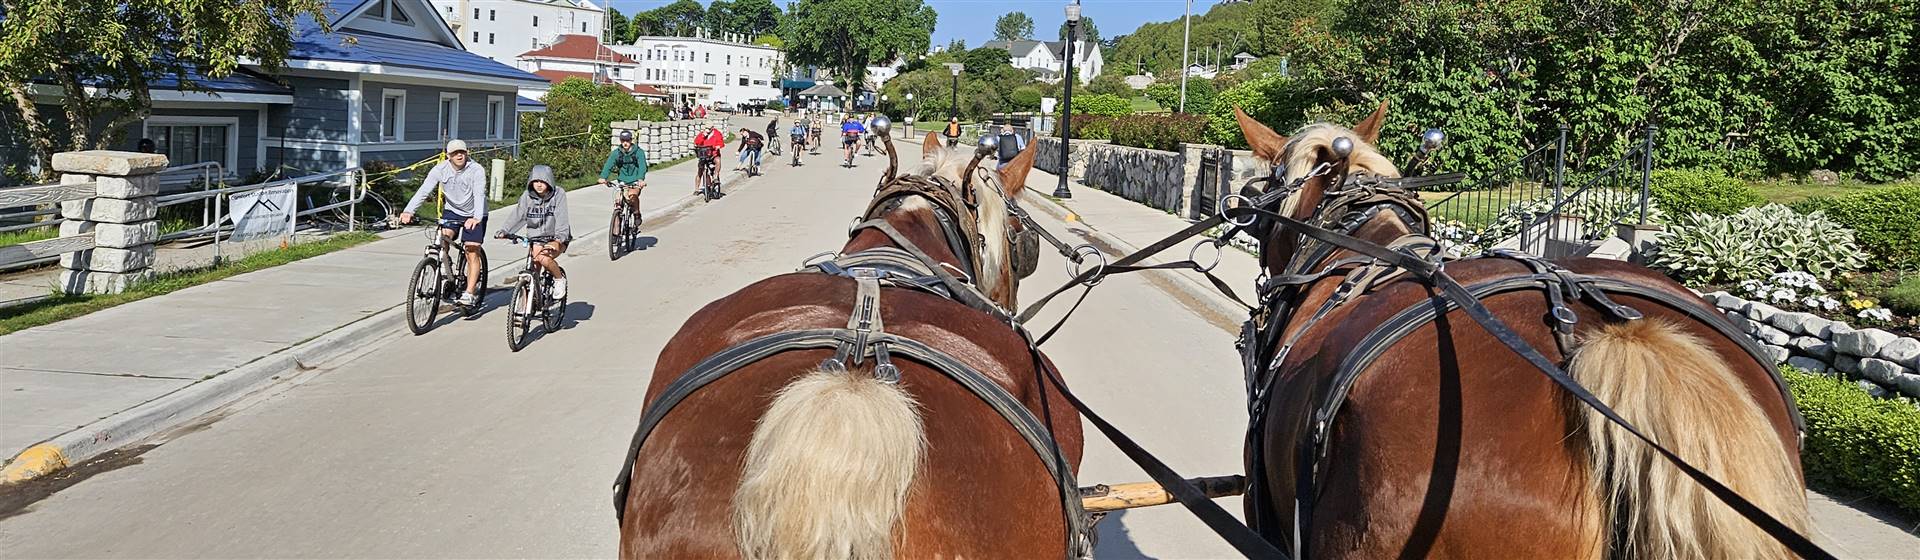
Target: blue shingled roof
<point>366,48</point>
<point>241,81</point>
<point>528,102</point>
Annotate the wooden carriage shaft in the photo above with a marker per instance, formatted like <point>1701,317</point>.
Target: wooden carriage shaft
<point>1103,498</point>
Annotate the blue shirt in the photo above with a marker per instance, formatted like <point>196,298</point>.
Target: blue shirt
<point>852,127</point>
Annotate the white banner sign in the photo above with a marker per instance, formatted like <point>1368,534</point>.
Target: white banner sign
<point>1046,104</point>
<point>262,213</point>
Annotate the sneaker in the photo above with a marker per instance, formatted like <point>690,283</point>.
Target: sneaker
<point>559,288</point>
<point>468,299</point>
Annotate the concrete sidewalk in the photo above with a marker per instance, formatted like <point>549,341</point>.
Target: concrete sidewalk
<point>77,388</point>
<point>1120,227</point>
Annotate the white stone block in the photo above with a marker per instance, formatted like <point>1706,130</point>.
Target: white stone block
<point>1775,353</point>
<point>1812,346</point>
<point>1817,326</point>
<point>1903,351</point>
<point>108,186</point>
<point>118,236</point>
<point>1864,343</point>
<point>1792,322</point>
<point>107,259</point>
<point>1808,364</point>
<point>1771,336</point>
<point>1846,364</point>
<point>110,210</point>
<point>108,162</point>
<point>94,282</point>
<point>1908,383</point>
<point>1881,371</point>
<point>1873,389</point>
<point>1760,311</point>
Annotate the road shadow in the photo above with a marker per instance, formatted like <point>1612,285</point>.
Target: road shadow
<point>1111,540</point>
<point>577,311</point>
<point>642,243</point>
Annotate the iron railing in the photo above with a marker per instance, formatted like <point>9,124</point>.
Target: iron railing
<point>1537,214</point>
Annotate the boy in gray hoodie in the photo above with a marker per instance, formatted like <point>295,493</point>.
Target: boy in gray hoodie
<point>542,210</point>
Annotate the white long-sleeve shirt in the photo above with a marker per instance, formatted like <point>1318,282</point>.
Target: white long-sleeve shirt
<point>466,189</point>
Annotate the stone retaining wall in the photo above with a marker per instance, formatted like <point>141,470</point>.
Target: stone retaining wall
<point>1885,364</point>
<point>665,141</point>
<point>1161,179</point>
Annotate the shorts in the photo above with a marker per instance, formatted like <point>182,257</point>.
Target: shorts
<point>848,140</point>
<point>450,220</point>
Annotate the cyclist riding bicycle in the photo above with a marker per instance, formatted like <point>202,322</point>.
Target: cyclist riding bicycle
<point>542,210</point>
<point>798,134</point>
<point>813,132</point>
<point>850,132</point>
<point>630,162</point>
<point>707,145</point>
<point>465,208</point>
<point>750,144</point>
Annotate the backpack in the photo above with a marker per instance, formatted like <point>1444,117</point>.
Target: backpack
<point>626,158</point>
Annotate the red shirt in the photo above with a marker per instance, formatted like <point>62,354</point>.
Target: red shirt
<point>710,138</point>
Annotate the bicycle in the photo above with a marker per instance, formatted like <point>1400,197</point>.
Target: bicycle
<point>847,143</point>
<point>623,228</point>
<point>813,141</point>
<point>869,141</point>
<point>796,151</point>
<point>773,145</point>
<point>708,179</point>
<point>532,295</point>
<point>753,163</point>
<point>441,276</point>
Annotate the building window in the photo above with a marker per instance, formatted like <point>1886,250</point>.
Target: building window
<point>491,14</point>
<point>449,123</point>
<point>729,59</point>
<point>496,117</point>
<point>583,27</point>
<point>536,20</point>
<point>476,37</point>
<point>743,80</point>
<point>709,58</point>
<point>393,115</point>
<point>535,41</point>
<point>476,13</point>
<point>489,38</point>
<point>709,79</point>
<point>396,15</point>
<point>190,141</point>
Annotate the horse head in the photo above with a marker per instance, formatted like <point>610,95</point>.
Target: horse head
<point>1329,157</point>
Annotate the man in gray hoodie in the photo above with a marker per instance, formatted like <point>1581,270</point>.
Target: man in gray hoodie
<point>465,207</point>
<point>543,212</point>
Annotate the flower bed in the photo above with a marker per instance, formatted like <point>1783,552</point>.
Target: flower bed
<point>1809,341</point>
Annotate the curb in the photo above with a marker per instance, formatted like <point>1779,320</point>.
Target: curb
<point>221,389</point>
<point>1189,288</point>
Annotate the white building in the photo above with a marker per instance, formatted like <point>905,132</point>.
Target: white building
<point>702,71</point>
<point>502,29</point>
<point>1088,58</point>
<point>582,56</point>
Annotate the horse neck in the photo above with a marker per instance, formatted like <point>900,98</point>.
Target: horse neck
<point>915,222</point>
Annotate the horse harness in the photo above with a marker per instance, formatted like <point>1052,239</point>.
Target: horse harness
<point>1362,198</point>
<point>903,266</point>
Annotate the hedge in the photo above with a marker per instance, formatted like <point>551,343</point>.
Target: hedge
<point>1685,192</point>
<point>1886,221</point>
<point>1857,442</point>
<point>1156,132</point>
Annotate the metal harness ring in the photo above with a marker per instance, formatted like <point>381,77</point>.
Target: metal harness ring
<point>1195,250</point>
<point>1223,207</point>
<point>1080,253</point>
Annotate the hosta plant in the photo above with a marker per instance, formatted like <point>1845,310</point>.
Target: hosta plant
<point>1755,243</point>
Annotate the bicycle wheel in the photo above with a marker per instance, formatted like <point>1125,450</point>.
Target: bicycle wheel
<point>555,312</point>
<point>615,234</point>
<point>517,321</point>
<point>423,297</point>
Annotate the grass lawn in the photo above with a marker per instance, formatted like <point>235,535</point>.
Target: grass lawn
<point>1788,192</point>
<point>63,307</point>
<point>29,235</point>
<point>1142,104</point>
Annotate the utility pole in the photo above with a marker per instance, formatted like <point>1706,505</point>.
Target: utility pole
<point>1184,36</point>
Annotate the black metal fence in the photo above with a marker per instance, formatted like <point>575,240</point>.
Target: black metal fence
<point>1532,208</point>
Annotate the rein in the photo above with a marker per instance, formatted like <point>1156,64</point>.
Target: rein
<point>1259,210</point>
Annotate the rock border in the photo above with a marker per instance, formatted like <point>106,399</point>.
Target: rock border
<point>1883,363</point>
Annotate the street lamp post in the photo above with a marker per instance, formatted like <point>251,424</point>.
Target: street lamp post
<point>1066,111</point>
<point>1183,56</point>
<point>956,67</point>
<point>913,112</point>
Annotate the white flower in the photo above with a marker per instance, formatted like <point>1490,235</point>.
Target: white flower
<point>1782,294</point>
<point>1878,314</point>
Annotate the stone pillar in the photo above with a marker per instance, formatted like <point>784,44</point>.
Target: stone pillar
<point>1190,187</point>
<point>120,216</point>
<point>1641,238</point>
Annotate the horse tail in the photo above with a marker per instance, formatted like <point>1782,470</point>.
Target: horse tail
<point>1681,393</point>
<point>828,469</point>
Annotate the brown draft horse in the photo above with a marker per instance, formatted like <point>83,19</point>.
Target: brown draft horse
<point>781,459</point>
<point>1450,445</point>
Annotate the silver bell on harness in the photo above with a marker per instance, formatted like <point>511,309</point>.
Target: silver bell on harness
<point>883,126</point>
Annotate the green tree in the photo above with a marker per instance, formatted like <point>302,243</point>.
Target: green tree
<point>1013,26</point>
<point>620,29</point>
<point>102,55</point>
<point>847,36</point>
<point>1088,31</point>
<point>648,22</point>
<point>755,17</point>
<point>984,61</point>
<point>719,17</point>
<point>680,18</point>
<point>1111,84</point>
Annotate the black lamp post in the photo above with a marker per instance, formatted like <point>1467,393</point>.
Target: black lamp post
<point>956,67</point>
<point>1066,112</point>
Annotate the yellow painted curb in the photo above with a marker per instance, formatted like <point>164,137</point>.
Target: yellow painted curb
<point>35,462</point>
<point>1072,217</point>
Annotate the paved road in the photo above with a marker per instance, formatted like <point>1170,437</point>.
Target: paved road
<point>448,445</point>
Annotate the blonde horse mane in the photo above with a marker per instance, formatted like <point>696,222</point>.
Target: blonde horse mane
<point>1304,148</point>
<point>951,165</point>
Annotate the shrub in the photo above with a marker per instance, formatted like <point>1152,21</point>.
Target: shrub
<point>1274,100</point>
<point>1158,132</point>
<point>1200,95</point>
<point>1685,192</point>
<point>1858,442</point>
<point>1092,127</point>
<point>1025,98</point>
<point>772,105</point>
<point>1102,104</point>
<point>1904,296</point>
<point>1755,243</point>
<point>1886,221</point>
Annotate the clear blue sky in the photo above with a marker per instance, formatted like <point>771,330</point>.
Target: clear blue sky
<point>972,20</point>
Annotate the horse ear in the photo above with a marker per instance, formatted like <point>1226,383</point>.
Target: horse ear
<point>1369,129</point>
<point>1013,177</point>
<point>1266,143</point>
<point>929,145</point>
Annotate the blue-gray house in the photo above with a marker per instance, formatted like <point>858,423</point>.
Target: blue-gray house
<point>391,83</point>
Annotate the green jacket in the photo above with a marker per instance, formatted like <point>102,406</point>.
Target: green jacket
<point>632,165</point>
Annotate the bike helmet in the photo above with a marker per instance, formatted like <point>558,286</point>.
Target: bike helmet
<point>626,136</point>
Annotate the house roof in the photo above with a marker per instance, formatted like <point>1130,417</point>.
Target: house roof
<point>311,44</point>
<point>526,102</point>
<point>824,90</point>
<point>1016,48</point>
<point>580,47</point>
<point>240,81</point>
